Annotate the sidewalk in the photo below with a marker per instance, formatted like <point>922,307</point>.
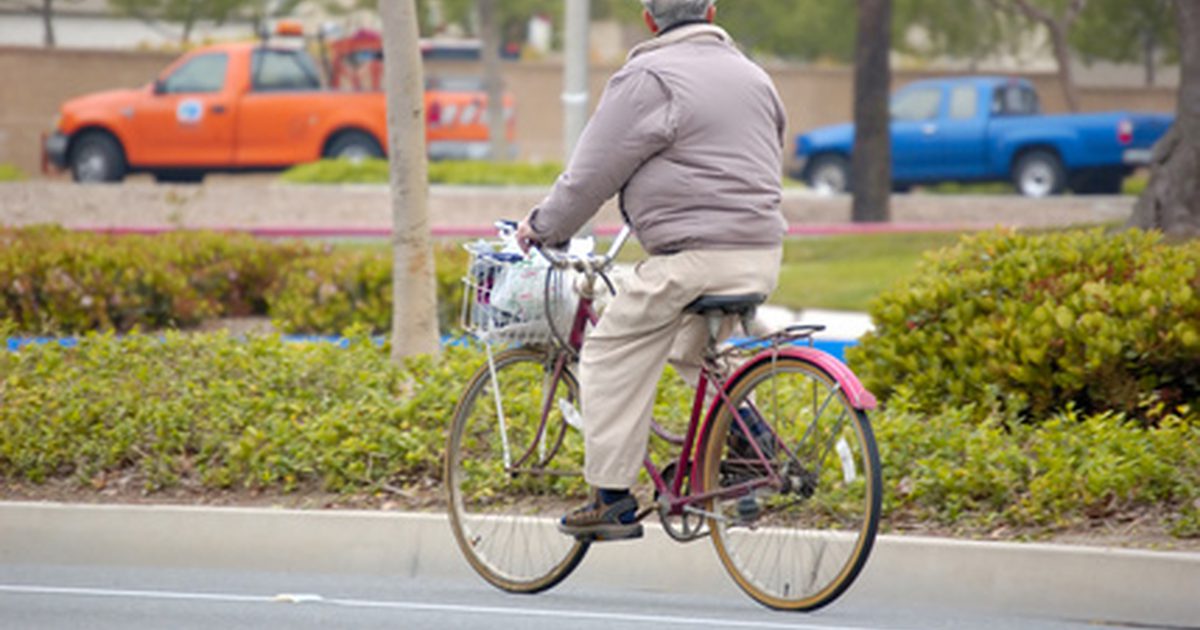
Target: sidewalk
<point>1079,583</point>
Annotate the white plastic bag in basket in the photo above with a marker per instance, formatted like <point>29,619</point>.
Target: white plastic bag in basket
<point>519,290</point>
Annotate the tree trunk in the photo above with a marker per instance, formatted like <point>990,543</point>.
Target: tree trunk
<point>489,27</point>
<point>1171,202</point>
<point>1062,56</point>
<point>48,23</point>
<point>414,302</point>
<point>1149,47</point>
<point>871,163</point>
<point>189,21</point>
<point>1059,28</point>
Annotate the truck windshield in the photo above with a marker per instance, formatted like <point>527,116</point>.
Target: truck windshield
<point>283,70</point>
<point>199,75</point>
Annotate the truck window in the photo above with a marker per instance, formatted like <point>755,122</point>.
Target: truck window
<point>918,104</point>
<point>964,102</point>
<point>282,70</point>
<point>1015,100</point>
<point>201,74</point>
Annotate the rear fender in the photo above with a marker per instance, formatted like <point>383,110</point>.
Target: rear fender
<point>858,395</point>
<point>860,398</point>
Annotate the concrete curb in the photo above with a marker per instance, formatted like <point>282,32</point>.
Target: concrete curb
<point>1109,585</point>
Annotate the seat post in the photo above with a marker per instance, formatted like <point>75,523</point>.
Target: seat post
<point>715,308</point>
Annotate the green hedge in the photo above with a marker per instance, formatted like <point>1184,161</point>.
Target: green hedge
<point>215,412</point>
<point>1030,323</point>
<point>461,173</point>
<point>327,294</point>
<point>10,173</point>
<point>212,412</point>
<point>53,281</point>
<point>57,282</point>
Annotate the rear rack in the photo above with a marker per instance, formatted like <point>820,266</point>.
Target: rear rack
<point>788,336</point>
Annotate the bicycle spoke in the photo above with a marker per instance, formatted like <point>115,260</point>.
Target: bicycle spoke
<point>798,543</point>
<point>513,466</point>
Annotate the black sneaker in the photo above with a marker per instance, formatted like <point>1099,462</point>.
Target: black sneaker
<point>599,521</point>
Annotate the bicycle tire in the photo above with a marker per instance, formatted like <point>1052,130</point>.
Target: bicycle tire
<point>504,515</point>
<point>800,544</point>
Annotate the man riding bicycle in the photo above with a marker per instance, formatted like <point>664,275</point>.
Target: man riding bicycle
<point>690,133</point>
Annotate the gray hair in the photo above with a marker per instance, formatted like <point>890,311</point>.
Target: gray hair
<point>669,12</point>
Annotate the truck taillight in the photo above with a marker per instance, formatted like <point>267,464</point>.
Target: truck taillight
<point>1125,132</point>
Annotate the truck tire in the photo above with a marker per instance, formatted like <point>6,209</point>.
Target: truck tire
<point>1039,174</point>
<point>354,146</point>
<point>829,174</point>
<point>97,157</point>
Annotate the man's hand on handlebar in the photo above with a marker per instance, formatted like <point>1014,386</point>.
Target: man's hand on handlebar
<point>525,236</point>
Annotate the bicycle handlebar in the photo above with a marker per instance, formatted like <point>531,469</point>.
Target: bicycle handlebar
<point>586,263</point>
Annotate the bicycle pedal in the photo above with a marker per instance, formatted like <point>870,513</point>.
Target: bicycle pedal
<point>631,534</point>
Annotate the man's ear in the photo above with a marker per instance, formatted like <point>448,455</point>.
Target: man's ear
<point>712,14</point>
<point>650,23</point>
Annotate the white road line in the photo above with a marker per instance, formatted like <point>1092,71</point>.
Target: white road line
<point>312,599</point>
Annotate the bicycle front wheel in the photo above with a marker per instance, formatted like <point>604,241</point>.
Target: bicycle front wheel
<point>513,465</point>
<point>795,518</point>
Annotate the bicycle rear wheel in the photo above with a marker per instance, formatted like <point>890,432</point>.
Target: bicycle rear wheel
<point>509,475</point>
<point>799,541</point>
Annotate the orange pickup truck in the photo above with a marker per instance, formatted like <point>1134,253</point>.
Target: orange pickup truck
<point>245,107</point>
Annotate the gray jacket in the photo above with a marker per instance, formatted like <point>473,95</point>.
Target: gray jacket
<point>691,133</point>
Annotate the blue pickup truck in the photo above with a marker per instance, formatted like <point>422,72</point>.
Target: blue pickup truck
<point>984,129</point>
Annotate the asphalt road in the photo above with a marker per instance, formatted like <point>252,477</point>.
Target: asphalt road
<point>102,597</point>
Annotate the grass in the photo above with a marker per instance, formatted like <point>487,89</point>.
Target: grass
<point>830,272</point>
<point>846,272</point>
<point>840,272</point>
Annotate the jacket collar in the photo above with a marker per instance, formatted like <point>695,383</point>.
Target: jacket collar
<point>676,35</point>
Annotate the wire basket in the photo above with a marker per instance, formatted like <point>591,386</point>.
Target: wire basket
<point>511,298</point>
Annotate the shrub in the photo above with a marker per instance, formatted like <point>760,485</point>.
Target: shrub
<point>463,173</point>
<point>54,281</point>
<point>953,469</point>
<point>57,282</point>
<point>325,294</point>
<point>1032,323</point>
<point>216,412</point>
<point>213,412</point>
<point>10,173</point>
<point>342,288</point>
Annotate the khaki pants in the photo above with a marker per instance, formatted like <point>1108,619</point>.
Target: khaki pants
<point>644,326</point>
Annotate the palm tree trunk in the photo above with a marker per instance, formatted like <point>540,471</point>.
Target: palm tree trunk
<point>414,302</point>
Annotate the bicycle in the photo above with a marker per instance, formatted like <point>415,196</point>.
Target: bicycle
<point>778,463</point>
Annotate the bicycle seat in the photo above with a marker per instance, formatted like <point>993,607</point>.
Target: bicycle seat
<point>740,305</point>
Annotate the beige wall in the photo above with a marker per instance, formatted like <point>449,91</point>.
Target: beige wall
<point>36,81</point>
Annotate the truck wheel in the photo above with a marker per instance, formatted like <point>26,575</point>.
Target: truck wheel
<point>97,157</point>
<point>829,174</point>
<point>354,146</point>
<point>1039,174</point>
